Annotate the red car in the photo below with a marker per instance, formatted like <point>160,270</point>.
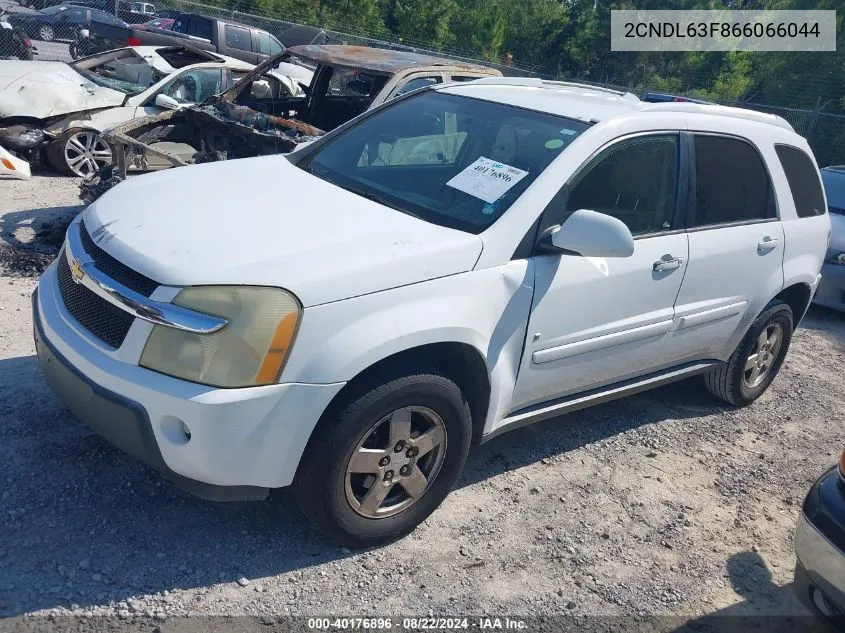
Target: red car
<point>158,23</point>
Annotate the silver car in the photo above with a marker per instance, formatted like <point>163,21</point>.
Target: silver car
<point>831,292</point>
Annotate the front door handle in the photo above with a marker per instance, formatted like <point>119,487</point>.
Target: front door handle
<point>767,244</point>
<point>667,262</point>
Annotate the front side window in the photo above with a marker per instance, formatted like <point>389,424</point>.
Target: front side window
<point>635,180</point>
<point>267,44</point>
<point>731,182</point>
<point>803,179</point>
<point>194,86</point>
<point>450,160</point>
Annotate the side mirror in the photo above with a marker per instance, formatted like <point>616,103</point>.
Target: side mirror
<point>168,103</point>
<point>593,234</point>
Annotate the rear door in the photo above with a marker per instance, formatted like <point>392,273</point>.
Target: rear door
<point>736,246</point>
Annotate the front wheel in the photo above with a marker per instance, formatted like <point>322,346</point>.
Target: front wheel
<point>79,152</point>
<point>378,465</point>
<point>757,359</point>
<point>46,33</point>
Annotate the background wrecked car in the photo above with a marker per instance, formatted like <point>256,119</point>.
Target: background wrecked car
<point>57,110</point>
<point>254,117</point>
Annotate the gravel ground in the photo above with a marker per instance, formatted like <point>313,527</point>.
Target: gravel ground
<point>663,504</point>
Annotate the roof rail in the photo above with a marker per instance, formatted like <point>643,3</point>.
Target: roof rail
<point>720,110</point>
<point>547,83</point>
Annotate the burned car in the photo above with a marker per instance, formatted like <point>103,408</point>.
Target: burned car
<point>57,111</point>
<point>254,118</point>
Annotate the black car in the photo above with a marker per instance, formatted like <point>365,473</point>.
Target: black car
<point>60,22</point>
<point>13,41</point>
<point>820,547</point>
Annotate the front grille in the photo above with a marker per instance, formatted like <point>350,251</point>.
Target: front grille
<point>114,269</point>
<point>108,323</point>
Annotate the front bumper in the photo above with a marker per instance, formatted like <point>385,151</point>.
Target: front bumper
<point>240,442</point>
<point>820,545</point>
<point>831,292</point>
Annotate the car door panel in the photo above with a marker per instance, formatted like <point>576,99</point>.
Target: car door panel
<point>736,246</point>
<point>727,283</point>
<point>595,320</point>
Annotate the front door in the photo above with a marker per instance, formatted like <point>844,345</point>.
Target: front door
<point>595,320</point>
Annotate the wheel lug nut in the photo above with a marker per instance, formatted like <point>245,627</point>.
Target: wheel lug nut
<point>405,471</point>
<point>384,461</point>
<point>388,475</point>
<point>400,446</point>
<point>412,452</point>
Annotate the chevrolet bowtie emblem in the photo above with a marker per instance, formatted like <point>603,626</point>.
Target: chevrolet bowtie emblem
<point>76,271</point>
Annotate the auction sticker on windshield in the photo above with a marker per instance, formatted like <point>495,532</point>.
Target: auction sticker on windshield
<point>487,179</point>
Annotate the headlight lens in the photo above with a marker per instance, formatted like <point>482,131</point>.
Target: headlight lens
<point>838,258</point>
<point>250,350</point>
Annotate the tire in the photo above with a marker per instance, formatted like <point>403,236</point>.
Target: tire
<point>334,496</point>
<point>46,33</point>
<point>67,154</point>
<point>736,381</point>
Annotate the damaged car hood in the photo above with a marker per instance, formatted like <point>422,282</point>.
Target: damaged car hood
<point>44,89</point>
<point>264,221</point>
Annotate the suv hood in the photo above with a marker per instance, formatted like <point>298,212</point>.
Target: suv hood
<point>45,89</point>
<point>263,221</point>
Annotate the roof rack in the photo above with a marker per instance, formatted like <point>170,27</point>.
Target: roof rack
<point>546,83</point>
<point>719,110</point>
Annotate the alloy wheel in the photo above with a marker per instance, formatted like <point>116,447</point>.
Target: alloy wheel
<point>46,33</point>
<point>763,356</point>
<point>395,462</point>
<point>85,152</point>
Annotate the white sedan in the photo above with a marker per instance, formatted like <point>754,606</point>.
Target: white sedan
<point>59,110</point>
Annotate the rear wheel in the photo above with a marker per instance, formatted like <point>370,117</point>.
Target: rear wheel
<point>378,465</point>
<point>757,359</point>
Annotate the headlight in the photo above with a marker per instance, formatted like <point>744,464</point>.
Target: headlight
<point>250,350</point>
<point>838,258</point>
<point>21,136</point>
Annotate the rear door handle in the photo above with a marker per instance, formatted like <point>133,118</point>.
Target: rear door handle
<point>767,244</point>
<point>667,262</point>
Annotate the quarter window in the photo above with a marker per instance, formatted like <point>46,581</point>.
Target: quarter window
<point>415,84</point>
<point>803,179</point>
<point>635,181</point>
<point>731,183</point>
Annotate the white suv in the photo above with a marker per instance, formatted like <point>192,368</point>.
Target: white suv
<point>348,319</point>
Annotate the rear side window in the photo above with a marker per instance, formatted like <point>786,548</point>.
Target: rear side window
<point>200,27</point>
<point>803,181</point>
<point>238,38</point>
<point>731,182</point>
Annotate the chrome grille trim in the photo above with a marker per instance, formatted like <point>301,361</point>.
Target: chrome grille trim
<point>85,273</point>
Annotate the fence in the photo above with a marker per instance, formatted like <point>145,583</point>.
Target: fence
<point>825,132</point>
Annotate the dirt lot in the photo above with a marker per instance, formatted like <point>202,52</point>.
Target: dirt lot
<point>666,503</point>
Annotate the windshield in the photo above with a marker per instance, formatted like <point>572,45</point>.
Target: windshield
<point>834,190</point>
<point>124,71</point>
<point>450,160</point>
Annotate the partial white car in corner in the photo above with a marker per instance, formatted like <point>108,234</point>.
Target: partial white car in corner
<point>61,109</point>
<point>458,262</point>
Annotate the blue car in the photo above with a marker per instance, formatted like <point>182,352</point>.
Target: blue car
<point>831,291</point>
